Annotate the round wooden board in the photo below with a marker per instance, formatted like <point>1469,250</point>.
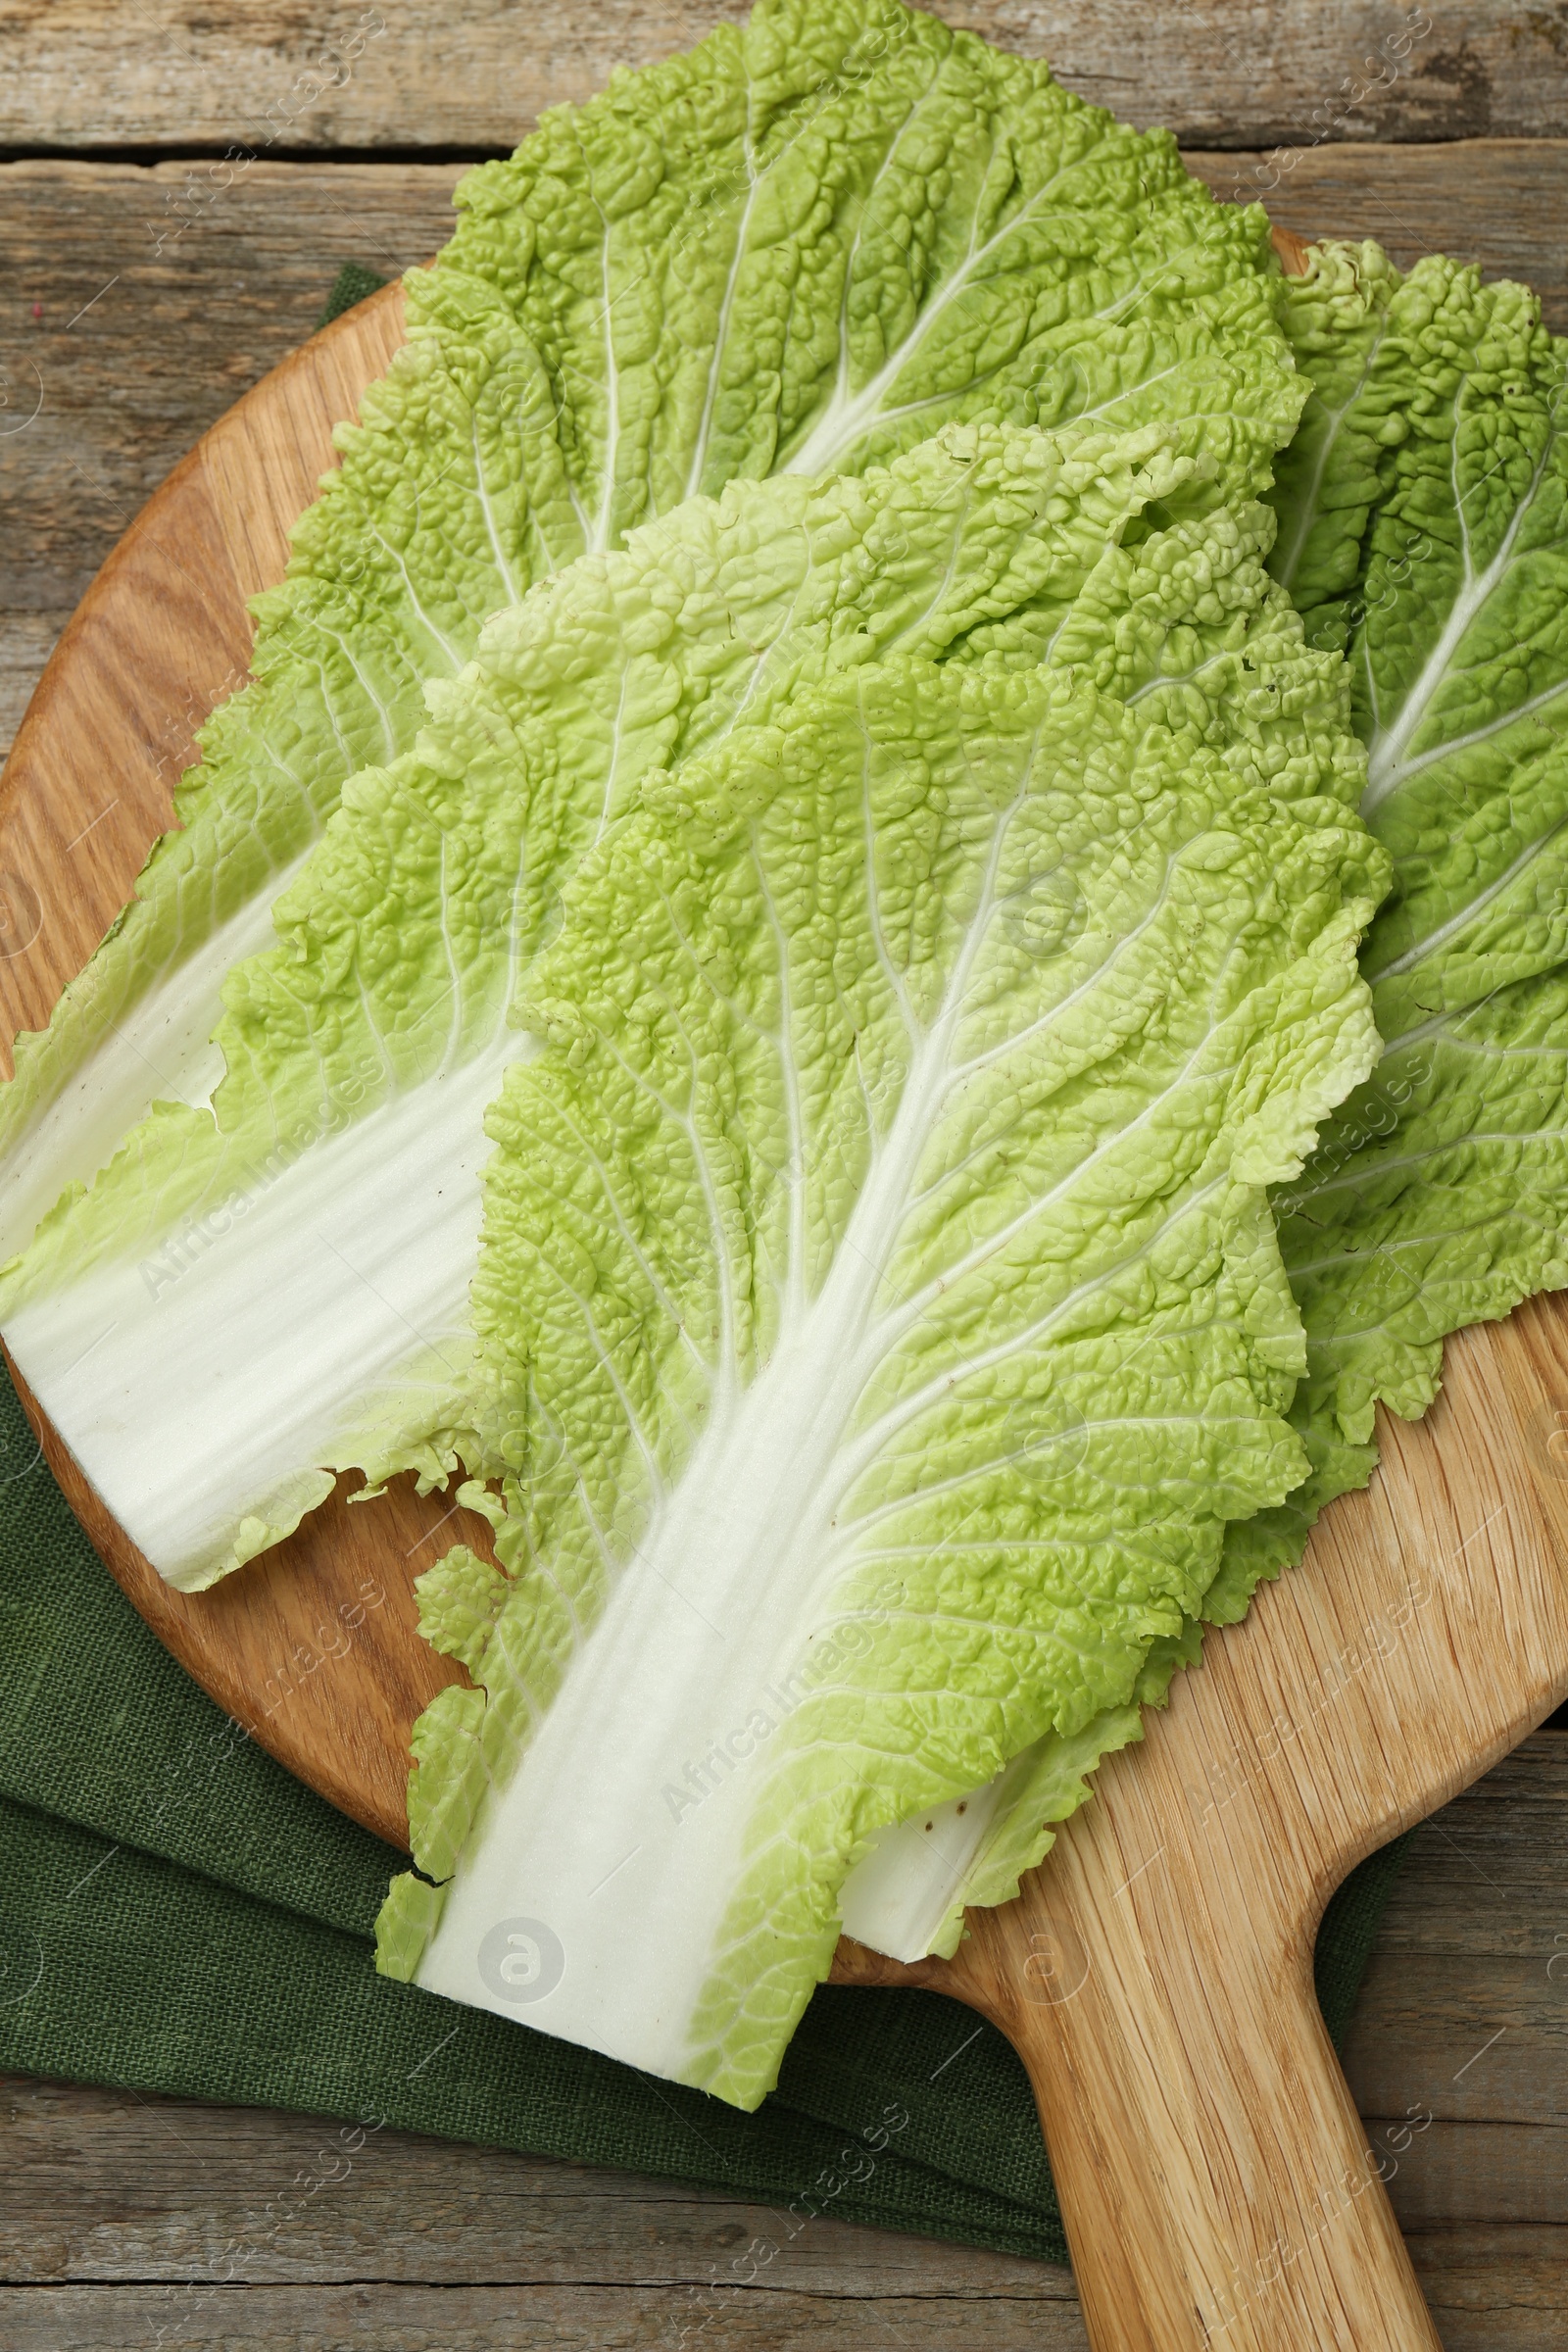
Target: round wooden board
<point>1156,1973</point>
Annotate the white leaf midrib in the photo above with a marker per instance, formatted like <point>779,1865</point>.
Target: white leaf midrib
<point>837,1328</point>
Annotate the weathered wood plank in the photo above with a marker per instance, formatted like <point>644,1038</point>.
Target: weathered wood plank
<point>1425,2033</point>
<point>121,356</point>
<point>1475,1943</point>
<point>1490,2289</point>
<point>1489,1874</point>
<point>490,2318</point>
<point>1501,203</point>
<point>1497,2289</point>
<point>276,76</point>
<point>115,2188</point>
<point>1454,2174</point>
<point>103,2186</point>
<point>1490,2293</point>
<point>1458,2055</point>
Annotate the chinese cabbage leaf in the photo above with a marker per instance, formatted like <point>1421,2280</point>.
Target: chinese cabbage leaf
<point>1424,528</point>
<point>879,1316</point>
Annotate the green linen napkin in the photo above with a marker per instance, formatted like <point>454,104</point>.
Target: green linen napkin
<point>353,283</point>
<point>180,1915</point>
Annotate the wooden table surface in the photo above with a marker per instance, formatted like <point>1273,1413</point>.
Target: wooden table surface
<point>146,281</point>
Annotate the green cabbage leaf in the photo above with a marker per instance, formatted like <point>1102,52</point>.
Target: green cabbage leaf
<point>449,498</point>
<point>878,1316</point>
<point>1424,529</point>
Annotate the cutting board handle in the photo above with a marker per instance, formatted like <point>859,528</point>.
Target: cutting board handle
<point>1253,2215</point>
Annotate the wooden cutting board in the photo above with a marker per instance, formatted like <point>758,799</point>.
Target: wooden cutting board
<point>1156,1975</point>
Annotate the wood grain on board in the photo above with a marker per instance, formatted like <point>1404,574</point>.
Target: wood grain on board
<point>276,74</point>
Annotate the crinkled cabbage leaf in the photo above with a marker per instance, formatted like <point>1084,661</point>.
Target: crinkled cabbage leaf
<point>1424,529</point>
<point>879,1315</point>
<point>807,244</point>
